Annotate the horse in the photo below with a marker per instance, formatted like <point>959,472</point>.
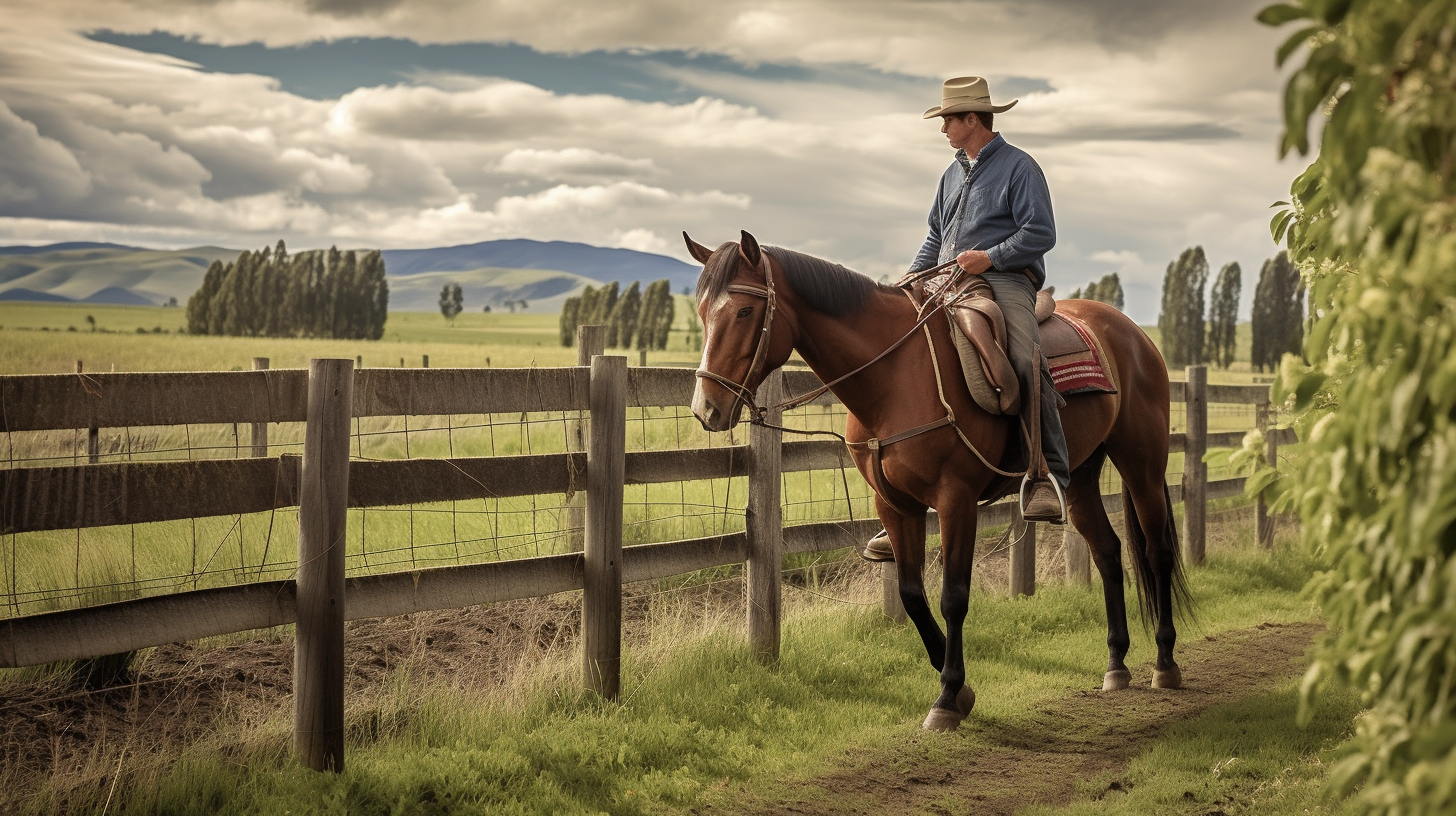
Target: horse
<point>759,305</point>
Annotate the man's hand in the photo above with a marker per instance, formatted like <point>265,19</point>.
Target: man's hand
<point>974,261</point>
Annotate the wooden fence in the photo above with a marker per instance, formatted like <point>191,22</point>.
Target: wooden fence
<point>324,483</point>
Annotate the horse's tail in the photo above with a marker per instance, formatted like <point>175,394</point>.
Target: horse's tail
<point>1147,582</point>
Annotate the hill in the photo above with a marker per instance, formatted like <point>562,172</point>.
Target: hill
<point>542,273</point>
<point>591,262</point>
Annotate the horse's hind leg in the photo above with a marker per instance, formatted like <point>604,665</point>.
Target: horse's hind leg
<point>1090,518</point>
<point>1153,539</point>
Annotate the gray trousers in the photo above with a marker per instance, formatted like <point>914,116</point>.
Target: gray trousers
<point>1016,296</point>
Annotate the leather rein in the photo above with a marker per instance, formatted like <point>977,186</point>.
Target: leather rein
<point>759,414</point>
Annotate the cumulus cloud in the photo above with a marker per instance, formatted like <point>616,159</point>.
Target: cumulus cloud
<point>37,175</point>
<point>572,163</point>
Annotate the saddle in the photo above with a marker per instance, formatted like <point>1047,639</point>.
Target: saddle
<point>978,331</point>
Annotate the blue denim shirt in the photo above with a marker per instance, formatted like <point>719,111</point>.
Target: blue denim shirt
<point>1006,211</point>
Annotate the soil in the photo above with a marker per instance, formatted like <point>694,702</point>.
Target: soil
<point>1004,768</point>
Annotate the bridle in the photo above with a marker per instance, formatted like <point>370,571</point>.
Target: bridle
<point>741,393</point>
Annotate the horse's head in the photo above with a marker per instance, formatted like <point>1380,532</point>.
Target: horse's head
<point>747,331</point>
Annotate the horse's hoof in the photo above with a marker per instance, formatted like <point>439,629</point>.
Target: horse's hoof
<point>1170,679</point>
<point>1116,680</point>
<point>943,719</point>
<point>966,700</point>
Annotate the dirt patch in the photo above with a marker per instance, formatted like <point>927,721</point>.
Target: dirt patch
<point>997,768</point>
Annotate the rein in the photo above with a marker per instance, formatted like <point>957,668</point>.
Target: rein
<point>759,414</point>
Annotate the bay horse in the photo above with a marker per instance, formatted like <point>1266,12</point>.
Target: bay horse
<point>759,305</point>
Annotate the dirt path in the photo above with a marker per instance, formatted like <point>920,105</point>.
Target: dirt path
<point>1002,768</point>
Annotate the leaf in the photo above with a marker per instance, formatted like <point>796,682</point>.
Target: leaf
<point>1308,385</point>
<point>1281,13</point>
<point>1292,44</point>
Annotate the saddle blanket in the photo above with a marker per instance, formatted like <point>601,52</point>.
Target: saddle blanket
<point>1078,370</point>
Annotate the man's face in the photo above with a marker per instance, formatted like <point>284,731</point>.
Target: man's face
<point>959,129</point>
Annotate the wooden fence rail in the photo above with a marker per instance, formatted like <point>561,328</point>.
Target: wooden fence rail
<point>77,496</point>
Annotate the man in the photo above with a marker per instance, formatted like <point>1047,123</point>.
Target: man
<point>992,213</point>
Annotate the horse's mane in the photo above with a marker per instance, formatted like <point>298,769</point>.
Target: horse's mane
<point>827,287</point>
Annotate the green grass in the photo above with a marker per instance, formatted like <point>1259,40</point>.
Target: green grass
<point>702,724</point>
<point>36,338</point>
<point>1248,757</point>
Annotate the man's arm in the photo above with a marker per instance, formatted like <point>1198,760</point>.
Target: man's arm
<point>1031,207</point>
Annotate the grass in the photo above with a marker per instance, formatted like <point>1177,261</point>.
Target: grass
<point>701,724</point>
<point>40,338</point>
<point>1247,757</point>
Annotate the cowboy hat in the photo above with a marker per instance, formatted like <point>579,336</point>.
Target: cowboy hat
<point>966,94</point>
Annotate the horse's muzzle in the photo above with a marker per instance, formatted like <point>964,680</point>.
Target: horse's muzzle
<point>713,415</point>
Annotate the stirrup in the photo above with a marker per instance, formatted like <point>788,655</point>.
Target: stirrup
<point>1027,481</point>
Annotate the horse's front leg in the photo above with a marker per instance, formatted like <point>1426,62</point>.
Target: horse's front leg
<point>958,548</point>
<point>907,540</point>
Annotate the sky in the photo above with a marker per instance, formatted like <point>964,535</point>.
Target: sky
<point>394,124</point>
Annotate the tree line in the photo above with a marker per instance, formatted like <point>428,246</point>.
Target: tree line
<point>638,316</point>
<point>1107,290</point>
<point>270,293</point>
<point>1190,338</point>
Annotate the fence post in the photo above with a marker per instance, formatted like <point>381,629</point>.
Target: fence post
<point>1195,470</point>
<point>424,361</point>
<point>890,586</point>
<point>1023,556</point>
<point>606,459</point>
<point>1263,522</point>
<point>1078,557</point>
<point>260,429</point>
<point>763,522</point>
<point>93,434</point>
<point>318,661</point>
<point>591,341</point>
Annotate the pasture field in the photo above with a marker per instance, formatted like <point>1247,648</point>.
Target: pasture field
<point>37,338</point>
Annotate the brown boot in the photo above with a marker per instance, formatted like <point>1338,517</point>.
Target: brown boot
<point>878,549</point>
<point>1043,503</point>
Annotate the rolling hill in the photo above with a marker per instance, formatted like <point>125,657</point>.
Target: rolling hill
<point>542,273</point>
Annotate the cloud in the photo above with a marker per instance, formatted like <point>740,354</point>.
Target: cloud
<point>622,123</point>
<point>38,175</point>
<point>576,163</point>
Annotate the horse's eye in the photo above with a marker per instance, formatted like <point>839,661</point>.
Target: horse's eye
<point>745,311</point>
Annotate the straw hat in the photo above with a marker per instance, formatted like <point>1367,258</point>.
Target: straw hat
<point>966,94</point>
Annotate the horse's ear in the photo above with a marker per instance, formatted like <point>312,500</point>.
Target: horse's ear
<point>748,248</point>
<point>697,250</point>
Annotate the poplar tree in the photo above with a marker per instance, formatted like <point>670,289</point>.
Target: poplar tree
<point>566,327</point>
<point>1278,325</point>
<point>647,319</point>
<point>200,304</point>
<point>629,308</point>
<point>1181,321</point>
<point>1223,314</point>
